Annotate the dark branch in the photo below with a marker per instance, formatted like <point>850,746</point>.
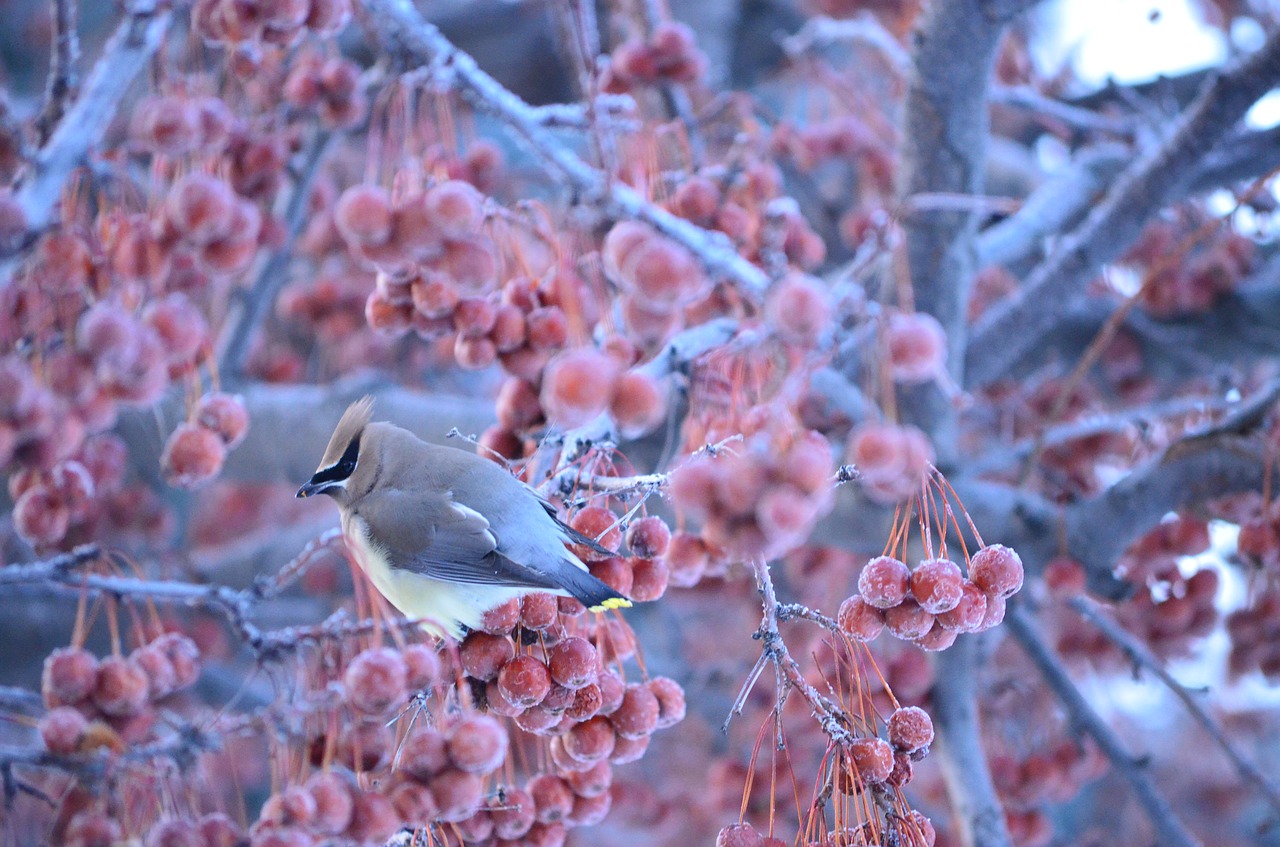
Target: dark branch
<point>61,87</point>
<point>1170,831</point>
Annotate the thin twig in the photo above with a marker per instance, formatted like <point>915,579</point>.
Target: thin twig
<point>1142,657</point>
<point>1165,822</point>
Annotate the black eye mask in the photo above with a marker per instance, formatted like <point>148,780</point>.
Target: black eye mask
<point>344,467</point>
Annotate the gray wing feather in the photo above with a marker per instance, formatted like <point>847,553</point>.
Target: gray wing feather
<point>433,536</point>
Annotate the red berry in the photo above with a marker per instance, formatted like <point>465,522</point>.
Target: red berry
<point>70,674</point>
<point>434,296</point>
<point>638,713</point>
<point>62,729</point>
<point>414,804</point>
<point>649,578</point>
<point>577,385</point>
<point>524,681</point>
<point>538,611</point>
<point>937,585</point>
<point>590,741</point>
<point>373,818</point>
<point>859,620</point>
<point>363,215</point>
<point>589,811</point>
<point>501,619</point>
<point>547,328</point>
<point>910,729</point>
<point>907,620</point>
<point>799,309</point>
<point>937,638</point>
<point>483,655</point>
<point>884,582</point>
<point>41,517</point>
<point>477,744</point>
<point>474,354</point>
<point>916,345</point>
<point>121,688</point>
<point>424,753</point>
<point>574,663</point>
<point>671,702</point>
<point>994,614</point>
<point>552,798</point>
<point>593,781</point>
<point>997,570</point>
<point>422,666</point>
<point>872,759</point>
<point>968,614</point>
<point>192,455</point>
<point>376,681</point>
<point>333,802</point>
<point>175,832</point>
<point>515,816</point>
<point>225,414</point>
<point>219,830</point>
<point>293,805</point>
<point>918,831</point>
<point>598,524</point>
<point>648,538</point>
<point>457,793</point>
<point>456,207</point>
<point>200,207</point>
<point>638,404</point>
<point>162,679</point>
<point>628,750</point>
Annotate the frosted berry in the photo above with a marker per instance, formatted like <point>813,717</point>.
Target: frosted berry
<point>859,620</point>
<point>376,681</point>
<point>515,816</point>
<point>638,404</point>
<point>638,713</point>
<point>628,750</point>
<point>423,754</point>
<point>600,525</point>
<point>968,614</point>
<point>121,688</point>
<point>414,804</point>
<point>589,811</point>
<point>937,638</point>
<point>333,801</point>
<point>524,681</point>
<point>577,386</point>
<point>62,730</point>
<point>916,345</point>
<point>552,798</point>
<point>477,744</point>
<point>884,582</point>
<point>225,414</point>
<point>649,578</point>
<point>538,611</point>
<point>910,729</point>
<point>799,309</point>
<point>872,759</point>
<point>937,585</point>
<point>456,207</point>
<point>192,455</point>
<point>457,793</point>
<point>200,208</point>
<point>501,619</point>
<point>997,570</point>
<point>590,741</point>
<point>574,663</point>
<point>422,666</point>
<point>908,621</point>
<point>70,674</point>
<point>363,215</point>
<point>483,655</point>
<point>373,818</point>
<point>671,702</point>
<point>41,517</point>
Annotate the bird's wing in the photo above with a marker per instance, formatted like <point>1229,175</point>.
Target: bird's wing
<point>435,536</point>
<point>571,534</point>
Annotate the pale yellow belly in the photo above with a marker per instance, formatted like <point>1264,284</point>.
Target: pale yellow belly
<point>445,606</point>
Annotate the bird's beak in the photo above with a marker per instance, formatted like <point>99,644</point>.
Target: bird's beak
<point>309,489</point>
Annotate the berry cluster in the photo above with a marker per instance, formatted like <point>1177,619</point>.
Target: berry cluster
<point>932,604</point>
<point>72,496</point>
<point>762,500</point>
<point>915,347</point>
<point>194,452</point>
<point>1050,774</point>
<point>273,22</point>
<point>669,54</point>
<point>109,703</point>
<point>1177,283</point>
<point>329,86</point>
<point>1255,636</point>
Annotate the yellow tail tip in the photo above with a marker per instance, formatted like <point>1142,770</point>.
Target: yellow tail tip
<point>613,603</point>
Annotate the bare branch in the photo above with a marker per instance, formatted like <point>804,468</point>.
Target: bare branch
<point>61,87</point>
<point>404,27</point>
<point>1011,330</point>
<point>1169,830</point>
<point>124,57</point>
<point>944,151</point>
<point>1142,657</point>
<point>959,741</point>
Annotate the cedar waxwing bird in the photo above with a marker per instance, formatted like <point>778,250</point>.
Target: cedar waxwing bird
<point>445,534</point>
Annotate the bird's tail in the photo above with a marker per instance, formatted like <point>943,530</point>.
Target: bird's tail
<point>590,591</point>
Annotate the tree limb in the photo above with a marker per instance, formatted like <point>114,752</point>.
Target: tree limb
<point>1169,830</point>
<point>62,68</point>
<point>1011,330</point>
